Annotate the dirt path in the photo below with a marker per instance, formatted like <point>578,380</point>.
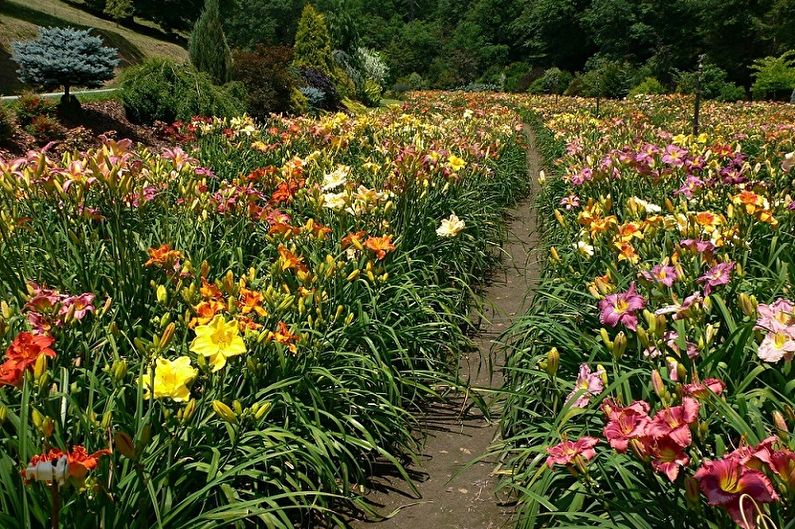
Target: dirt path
<point>456,435</point>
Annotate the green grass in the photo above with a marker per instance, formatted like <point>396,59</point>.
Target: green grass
<point>20,20</point>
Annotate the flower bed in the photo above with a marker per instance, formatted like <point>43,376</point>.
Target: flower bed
<point>651,382</point>
<point>234,329</point>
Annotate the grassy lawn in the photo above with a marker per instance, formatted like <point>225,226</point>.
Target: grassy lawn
<point>20,20</point>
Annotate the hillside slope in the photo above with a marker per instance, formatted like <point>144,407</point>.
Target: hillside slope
<point>19,20</point>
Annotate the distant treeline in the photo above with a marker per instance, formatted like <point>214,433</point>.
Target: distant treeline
<point>450,43</point>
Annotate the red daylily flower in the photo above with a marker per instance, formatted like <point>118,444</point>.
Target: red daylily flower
<point>675,422</point>
<point>567,452</point>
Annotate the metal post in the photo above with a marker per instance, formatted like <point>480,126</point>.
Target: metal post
<point>697,104</point>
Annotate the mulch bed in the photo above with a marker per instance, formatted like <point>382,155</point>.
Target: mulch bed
<point>86,129</point>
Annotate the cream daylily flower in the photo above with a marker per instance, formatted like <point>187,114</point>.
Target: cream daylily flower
<point>336,178</point>
<point>451,226</point>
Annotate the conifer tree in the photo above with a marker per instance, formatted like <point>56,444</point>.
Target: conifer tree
<point>64,57</point>
<point>208,49</point>
<point>313,43</point>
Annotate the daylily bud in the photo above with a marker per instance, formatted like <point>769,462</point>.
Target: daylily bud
<point>124,444</point>
<point>643,336</point>
<point>47,427</point>
<point>263,409</point>
<point>692,493</point>
<point>560,218</point>
<point>188,411</point>
<point>661,322</point>
<point>37,418</point>
<point>778,420</point>
<point>5,310</point>
<point>619,345</point>
<point>606,338</point>
<point>119,369</point>
<point>553,361</point>
<point>657,383</point>
<point>651,319</point>
<point>224,412</point>
<point>3,413</point>
<point>553,252</point>
<point>162,295</point>
<point>39,367</point>
<point>748,304</point>
<point>602,373</point>
<point>168,333</point>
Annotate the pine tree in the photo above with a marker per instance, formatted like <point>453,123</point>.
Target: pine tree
<point>64,57</point>
<point>209,51</point>
<point>313,43</point>
<point>119,9</point>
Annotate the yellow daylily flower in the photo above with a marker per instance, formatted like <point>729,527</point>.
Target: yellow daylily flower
<point>218,340</point>
<point>171,379</point>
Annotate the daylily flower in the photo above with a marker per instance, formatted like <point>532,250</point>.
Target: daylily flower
<point>662,274</point>
<point>218,340</point>
<point>621,308</point>
<point>451,226</point>
<point>584,249</point>
<point>667,457</point>
<point>57,466</point>
<point>336,178</point>
<point>590,381</point>
<point>380,245</point>
<point>778,344</point>
<point>720,274</point>
<point>726,481</point>
<point>570,202</point>
<point>456,163</point>
<point>675,422</point>
<point>568,452</point>
<point>172,378</point>
<point>625,423</point>
<point>701,390</point>
<point>780,313</point>
<point>22,354</point>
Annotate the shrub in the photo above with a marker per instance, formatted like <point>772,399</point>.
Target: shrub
<point>161,90</point>
<point>774,77</point>
<point>30,105</point>
<point>266,75</point>
<point>208,49</point>
<point>414,81</point>
<point>64,57</point>
<point>373,65</point>
<point>314,78</point>
<point>7,123</point>
<point>713,84</point>
<point>554,81</point>
<point>650,85</point>
<point>606,78</point>
<point>46,129</point>
<point>518,77</point>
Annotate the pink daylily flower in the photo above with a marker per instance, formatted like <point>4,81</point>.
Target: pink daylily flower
<point>621,308</point>
<point>568,452</point>
<point>591,382</point>
<point>718,275</point>
<point>662,274</point>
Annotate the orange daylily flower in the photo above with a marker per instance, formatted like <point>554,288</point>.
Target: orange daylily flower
<point>163,256</point>
<point>380,245</point>
<point>251,301</point>
<point>284,336</point>
<point>290,261</point>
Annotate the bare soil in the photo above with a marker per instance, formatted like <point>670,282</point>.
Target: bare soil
<point>454,476</point>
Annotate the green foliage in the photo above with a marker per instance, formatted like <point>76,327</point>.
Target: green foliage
<point>313,43</point>
<point>713,84</point>
<point>31,105</point>
<point>266,76</point>
<point>119,9</point>
<point>774,77</point>
<point>208,49</point>
<point>410,82</point>
<point>517,77</point>
<point>649,85</point>
<point>64,57</point>
<point>605,78</point>
<point>160,90</point>
<point>554,81</point>
<point>7,123</point>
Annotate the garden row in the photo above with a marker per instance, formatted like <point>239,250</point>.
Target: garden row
<point>651,384</point>
<point>232,331</point>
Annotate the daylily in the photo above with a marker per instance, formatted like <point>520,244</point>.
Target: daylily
<point>451,226</point>
<point>171,379</point>
<point>726,482</point>
<point>621,308</point>
<point>662,274</point>
<point>218,340</point>
<point>590,381</point>
<point>667,456</point>
<point>675,422</point>
<point>625,423</point>
<point>380,245</point>
<point>778,344</point>
<point>568,452</point>
<point>720,274</point>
